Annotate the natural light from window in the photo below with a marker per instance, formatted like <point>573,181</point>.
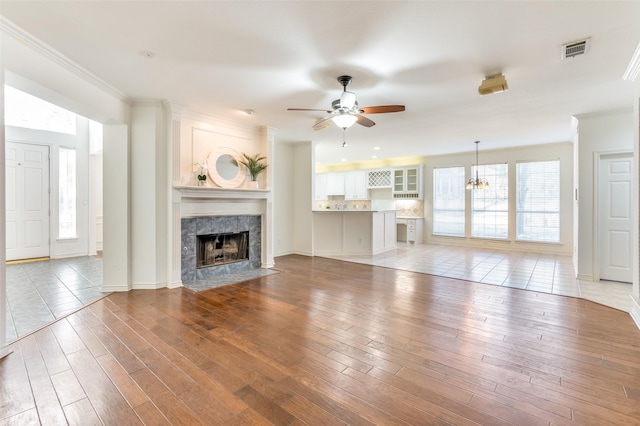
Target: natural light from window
<point>538,201</point>
<point>67,194</point>
<point>490,206</point>
<point>448,201</point>
<point>24,110</point>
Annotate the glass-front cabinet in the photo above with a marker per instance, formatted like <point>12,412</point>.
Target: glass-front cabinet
<point>407,182</point>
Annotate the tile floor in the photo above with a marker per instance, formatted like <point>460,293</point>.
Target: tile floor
<point>545,273</point>
<point>43,291</point>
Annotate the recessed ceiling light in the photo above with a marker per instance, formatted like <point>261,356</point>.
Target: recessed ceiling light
<point>374,156</point>
<point>343,159</point>
<point>377,148</point>
<point>147,54</point>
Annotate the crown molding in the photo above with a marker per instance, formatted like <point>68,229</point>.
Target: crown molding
<point>49,52</point>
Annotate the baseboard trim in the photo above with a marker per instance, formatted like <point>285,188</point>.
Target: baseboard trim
<point>114,288</point>
<point>584,277</point>
<point>148,286</point>
<point>635,310</point>
<point>175,284</point>
<point>5,352</point>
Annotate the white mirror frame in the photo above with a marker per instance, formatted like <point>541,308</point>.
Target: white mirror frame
<point>212,160</point>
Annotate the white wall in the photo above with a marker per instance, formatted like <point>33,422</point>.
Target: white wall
<point>560,151</point>
<point>200,135</point>
<point>302,198</point>
<point>597,133</point>
<point>283,198</point>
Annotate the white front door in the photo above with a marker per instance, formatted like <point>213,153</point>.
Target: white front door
<point>615,217</point>
<point>27,200</point>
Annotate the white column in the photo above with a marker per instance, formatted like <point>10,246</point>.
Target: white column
<point>267,142</point>
<point>117,245</point>
<point>148,205</point>
<point>3,223</point>
<point>173,114</point>
<point>635,293</point>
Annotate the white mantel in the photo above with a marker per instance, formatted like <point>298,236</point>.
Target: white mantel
<point>212,201</point>
<point>222,193</point>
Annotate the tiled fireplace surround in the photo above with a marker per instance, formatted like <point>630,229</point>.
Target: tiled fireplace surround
<point>191,227</point>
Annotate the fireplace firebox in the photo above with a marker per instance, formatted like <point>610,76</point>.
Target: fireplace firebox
<point>209,250</point>
<point>218,249</point>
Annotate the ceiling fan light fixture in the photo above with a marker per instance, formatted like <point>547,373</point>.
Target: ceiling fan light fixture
<point>493,84</point>
<point>344,120</point>
<point>347,100</point>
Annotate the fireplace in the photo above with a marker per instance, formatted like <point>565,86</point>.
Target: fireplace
<point>218,245</point>
<point>218,249</point>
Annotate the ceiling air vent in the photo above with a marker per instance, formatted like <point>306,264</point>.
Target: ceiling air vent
<point>576,48</point>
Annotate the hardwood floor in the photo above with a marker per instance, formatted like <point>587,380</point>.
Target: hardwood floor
<point>327,342</point>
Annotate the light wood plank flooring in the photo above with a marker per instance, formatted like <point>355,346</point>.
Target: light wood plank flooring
<point>327,342</point>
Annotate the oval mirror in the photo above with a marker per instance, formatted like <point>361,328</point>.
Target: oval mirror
<point>222,171</point>
<point>226,167</point>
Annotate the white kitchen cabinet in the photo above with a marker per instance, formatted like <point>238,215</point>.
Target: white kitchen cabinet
<point>335,183</point>
<point>321,186</point>
<point>379,178</point>
<point>355,185</point>
<point>410,230</point>
<point>407,183</point>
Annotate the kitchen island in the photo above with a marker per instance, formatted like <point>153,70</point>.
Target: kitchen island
<point>340,232</point>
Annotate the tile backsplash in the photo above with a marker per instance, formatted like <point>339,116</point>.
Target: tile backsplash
<point>339,203</point>
<point>408,208</point>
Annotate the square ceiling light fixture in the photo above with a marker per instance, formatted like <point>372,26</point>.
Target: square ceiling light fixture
<point>493,84</point>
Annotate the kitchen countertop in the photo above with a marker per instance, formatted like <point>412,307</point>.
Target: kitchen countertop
<point>409,217</point>
<point>350,211</point>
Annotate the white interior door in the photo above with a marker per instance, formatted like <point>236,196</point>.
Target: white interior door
<point>27,200</point>
<point>615,217</point>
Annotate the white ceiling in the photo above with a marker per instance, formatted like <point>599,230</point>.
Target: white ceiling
<point>222,57</point>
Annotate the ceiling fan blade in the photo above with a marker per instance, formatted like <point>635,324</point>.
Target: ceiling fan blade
<point>364,121</point>
<point>382,109</point>
<point>322,123</point>
<point>308,109</point>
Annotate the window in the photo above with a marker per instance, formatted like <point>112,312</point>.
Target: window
<point>24,110</point>
<point>538,201</point>
<point>448,201</point>
<point>67,194</point>
<point>490,206</point>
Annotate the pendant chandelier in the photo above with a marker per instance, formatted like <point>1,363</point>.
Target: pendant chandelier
<point>477,183</point>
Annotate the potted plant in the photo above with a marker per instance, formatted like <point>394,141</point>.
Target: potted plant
<point>202,173</point>
<point>255,165</point>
